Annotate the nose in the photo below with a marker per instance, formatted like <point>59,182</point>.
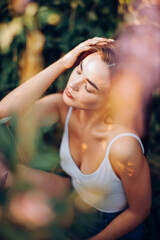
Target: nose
<point>75,85</point>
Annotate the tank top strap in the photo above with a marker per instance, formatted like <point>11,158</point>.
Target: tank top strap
<point>67,117</point>
<point>6,119</point>
<point>122,135</point>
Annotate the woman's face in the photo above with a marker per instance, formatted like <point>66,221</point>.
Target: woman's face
<point>88,85</point>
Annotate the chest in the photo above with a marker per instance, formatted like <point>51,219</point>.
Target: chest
<point>87,149</point>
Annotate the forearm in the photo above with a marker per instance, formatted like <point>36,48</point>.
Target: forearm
<point>121,225</point>
<point>21,99</point>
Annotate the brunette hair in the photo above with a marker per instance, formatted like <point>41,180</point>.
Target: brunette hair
<point>108,52</point>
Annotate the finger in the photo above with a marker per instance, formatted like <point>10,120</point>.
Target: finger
<point>102,39</point>
<point>84,48</point>
<point>98,41</point>
<point>104,43</point>
<point>110,40</point>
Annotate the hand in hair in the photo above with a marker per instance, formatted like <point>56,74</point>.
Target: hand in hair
<point>70,58</point>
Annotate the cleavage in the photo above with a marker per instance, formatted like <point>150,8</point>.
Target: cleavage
<point>87,152</point>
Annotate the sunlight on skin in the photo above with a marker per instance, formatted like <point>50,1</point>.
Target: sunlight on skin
<point>110,127</point>
<point>84,147</point>
<point>128,168</point>
<point>31,209</point>
<point>120,165</point>
<point>103,143</point>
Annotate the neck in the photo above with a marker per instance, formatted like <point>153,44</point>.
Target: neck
<point>90,119</point>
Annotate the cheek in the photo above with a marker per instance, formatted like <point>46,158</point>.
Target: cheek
<point>72,76</point>
<point>97,101</point>
<point>88,100</point>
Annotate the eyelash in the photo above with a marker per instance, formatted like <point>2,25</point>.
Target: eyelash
<point>85,86</point>
<point>87,89</point>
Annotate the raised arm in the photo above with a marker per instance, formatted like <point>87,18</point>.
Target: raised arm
<point>131,166</point>
<point>23,97</point>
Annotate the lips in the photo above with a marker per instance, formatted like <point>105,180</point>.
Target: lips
<point>67,92</point>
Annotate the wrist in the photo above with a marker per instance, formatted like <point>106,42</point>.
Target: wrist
<point>62,64</point>
<point>67,61</point>
<point>58,67</point>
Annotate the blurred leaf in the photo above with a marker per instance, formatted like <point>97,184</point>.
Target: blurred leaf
<point>64,24</point>
<point>45,160</point>
<point>48,16</point>
<point>8,142</point>
<point>60,206</point>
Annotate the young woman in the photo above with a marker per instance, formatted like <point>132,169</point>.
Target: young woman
<point>104,159</point>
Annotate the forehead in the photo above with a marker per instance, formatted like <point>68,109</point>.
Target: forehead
<point>96,69</point>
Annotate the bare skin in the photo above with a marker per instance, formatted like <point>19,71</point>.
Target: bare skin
<point>129,164</point>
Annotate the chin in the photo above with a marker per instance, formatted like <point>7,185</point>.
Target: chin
<point>70,103</point>
<point>76,104</point>
<point>67,100</point>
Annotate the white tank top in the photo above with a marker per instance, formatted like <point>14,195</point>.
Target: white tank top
<point>101,189</point>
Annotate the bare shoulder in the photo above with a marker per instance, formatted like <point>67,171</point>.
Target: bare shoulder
<point>126,155</point>
<point>56,99</point>
<point>50,109</point>
<point>62,108</point>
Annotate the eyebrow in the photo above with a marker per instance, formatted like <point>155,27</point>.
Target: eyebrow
<point>89,81</point>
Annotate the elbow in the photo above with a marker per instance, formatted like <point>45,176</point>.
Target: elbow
<point>141,214</point>
<point>4,115</point>
<point>148,207</point>
<point>4,109</point>
<point>147,212</point>
<point>9,105</point>
<point>2,112</point>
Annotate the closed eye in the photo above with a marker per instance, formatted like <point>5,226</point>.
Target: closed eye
<point>87,89</point>
<point>90,82</point>
<point>79,71</point>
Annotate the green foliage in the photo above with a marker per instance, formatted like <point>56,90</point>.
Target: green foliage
<point>8,142</point>
<point>152,222</point>
<point>64,24</point>
<point>47,156</point>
